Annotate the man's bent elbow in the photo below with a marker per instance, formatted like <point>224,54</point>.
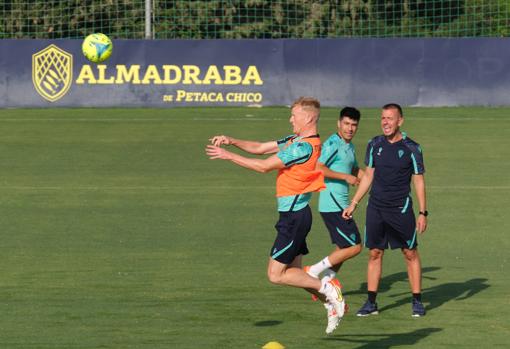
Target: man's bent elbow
<point>265,169</point>
<point>260,170</point>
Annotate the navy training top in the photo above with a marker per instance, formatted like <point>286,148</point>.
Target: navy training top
<point>394,164</point>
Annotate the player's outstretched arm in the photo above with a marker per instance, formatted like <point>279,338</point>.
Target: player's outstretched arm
<point>260,165</point>
<point>364,186</point>
<point>328,173</point>
<point>419,188</point>
<point>252,147</point>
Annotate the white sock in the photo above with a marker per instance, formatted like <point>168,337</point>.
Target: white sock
<point>320,266</point>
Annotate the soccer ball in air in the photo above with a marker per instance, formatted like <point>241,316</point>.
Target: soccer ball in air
<point>97,47</point>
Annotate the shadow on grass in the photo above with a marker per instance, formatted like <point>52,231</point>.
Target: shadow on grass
<point>267,323</point>
<point>384,340</point>
<point>389,280</point>
<point>438,295</point>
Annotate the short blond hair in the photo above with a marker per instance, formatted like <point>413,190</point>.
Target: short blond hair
<point>308,104</point>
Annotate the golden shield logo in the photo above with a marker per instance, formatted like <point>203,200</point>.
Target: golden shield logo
<point>52,72</point>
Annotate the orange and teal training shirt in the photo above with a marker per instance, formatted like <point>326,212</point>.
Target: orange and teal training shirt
<point>299,179</point>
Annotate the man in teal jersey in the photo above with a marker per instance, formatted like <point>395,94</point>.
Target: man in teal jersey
<point>340,168</point>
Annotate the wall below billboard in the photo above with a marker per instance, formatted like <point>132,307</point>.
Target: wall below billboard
<point>166,73</point>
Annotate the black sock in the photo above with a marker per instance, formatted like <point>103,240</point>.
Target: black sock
<point>371,296</point>
<point>417,296</point>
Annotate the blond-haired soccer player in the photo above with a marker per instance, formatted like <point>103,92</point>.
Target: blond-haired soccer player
<point>295,159</point>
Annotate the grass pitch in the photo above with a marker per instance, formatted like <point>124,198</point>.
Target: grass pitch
<point>118,232</point>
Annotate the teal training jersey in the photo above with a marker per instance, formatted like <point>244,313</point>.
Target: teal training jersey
<point>292,154</point>
<point>338,156</point>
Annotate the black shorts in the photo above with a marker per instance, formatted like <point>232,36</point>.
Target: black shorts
<point>292,228</point>
<point>344,233</point>
<point>390,228</point>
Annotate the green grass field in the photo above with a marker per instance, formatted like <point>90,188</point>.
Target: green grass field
<point>118,232</point>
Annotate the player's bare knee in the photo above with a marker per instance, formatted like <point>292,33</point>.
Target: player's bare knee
<point>375,255</point>
<point>410,255</point>
<point>274,277</point>
<point>356,250</point>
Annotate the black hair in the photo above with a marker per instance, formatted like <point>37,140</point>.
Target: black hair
<point>351,113</point>
<point>393,106</point>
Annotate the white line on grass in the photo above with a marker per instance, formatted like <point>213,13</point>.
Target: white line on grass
<point>469,187</point>
<point>94,188</point>
<point>170,119</point>
<point>209,187</point>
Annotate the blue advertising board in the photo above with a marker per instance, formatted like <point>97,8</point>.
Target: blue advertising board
<point>166,73</point>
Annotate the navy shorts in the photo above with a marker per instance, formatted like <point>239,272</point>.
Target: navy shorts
<point>292,228</point>
<point>344,233</point>
<point>390,228</point>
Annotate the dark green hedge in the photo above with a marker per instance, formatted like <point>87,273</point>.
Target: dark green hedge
<point>256,18</point>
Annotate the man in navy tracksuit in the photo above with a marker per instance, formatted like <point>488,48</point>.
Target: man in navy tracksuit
<point>392,160</point>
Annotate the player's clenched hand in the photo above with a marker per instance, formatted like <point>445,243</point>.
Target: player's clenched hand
<point>219,140</point>
<point>215,152</point>
<point>347,213</point>
<point>421,224</point>
<point>352,180</point>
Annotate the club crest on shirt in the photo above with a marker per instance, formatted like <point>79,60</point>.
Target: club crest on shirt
<point>400,153</point>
